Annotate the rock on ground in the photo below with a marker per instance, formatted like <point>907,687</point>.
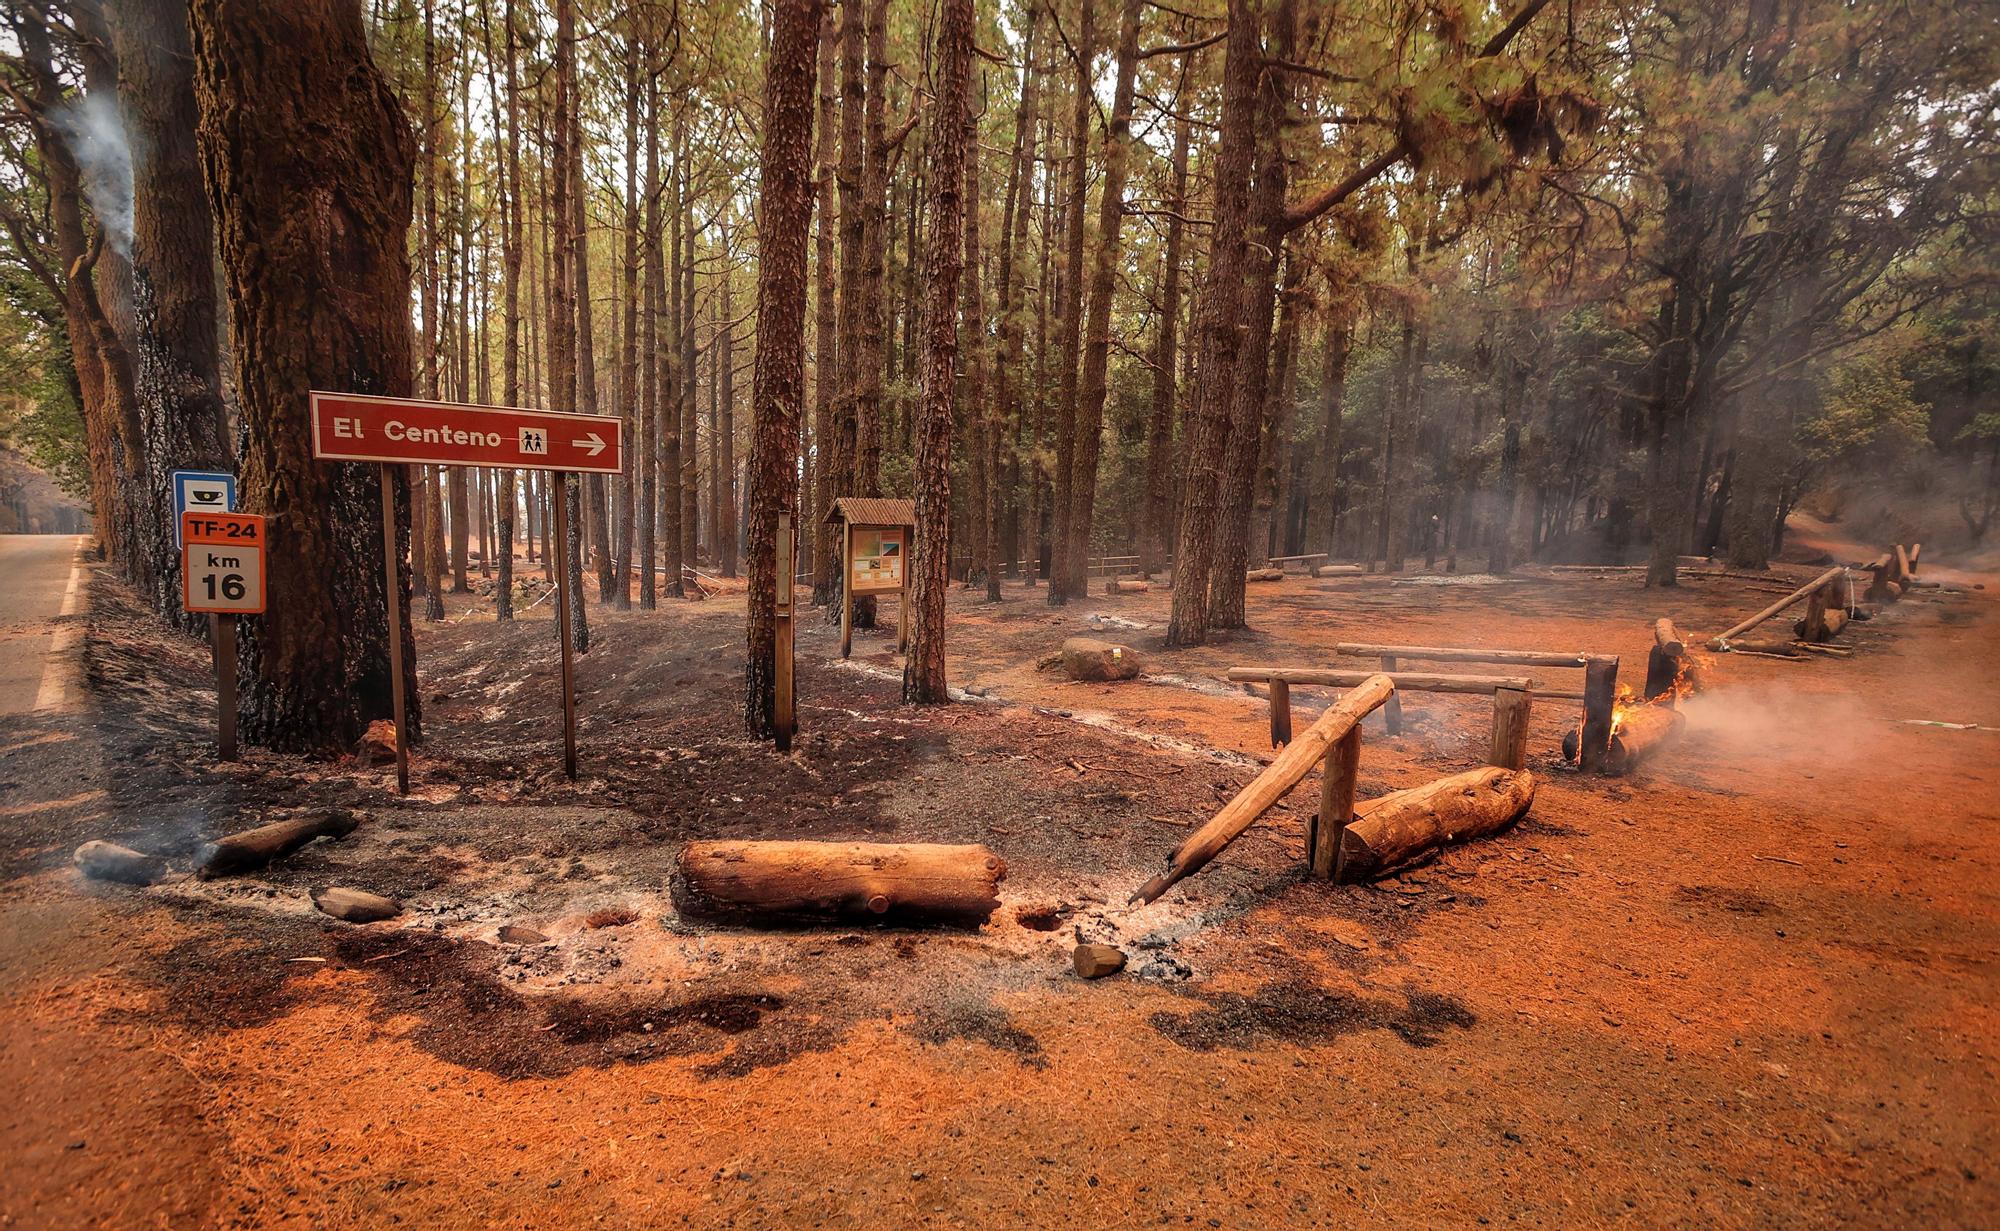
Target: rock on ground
<point>1096,961</point>
<point>108,861</point>
<point>1087,658</point>
<point>356,905</point>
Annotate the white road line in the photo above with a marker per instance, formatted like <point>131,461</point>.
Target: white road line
<point>53,695</point>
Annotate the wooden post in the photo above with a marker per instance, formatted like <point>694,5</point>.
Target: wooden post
<point>562,625</point>
<point>222,633</point>
<point>783,718</point>
<point>846,588</point>
<point>903,598</point>
<point>1511,707</point>
<point>1600,697</point>
<point>1392,712</point>
<point>395,592</point>
<point>1336,803</point>
<point>1721,640</point>
<point>1281,713</point>
<point>1816,614</point>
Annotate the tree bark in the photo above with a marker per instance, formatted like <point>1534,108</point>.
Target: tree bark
<point>1332,397</point>
<point>1064,573</point>
<point>1210,430</point>
<point>1153,534</point>
<point>828,457</point>
<point>173,274</point>
<point>778,383</point>
<point>1089,426</point>
<point>308,162</point>
<point>930,561</point>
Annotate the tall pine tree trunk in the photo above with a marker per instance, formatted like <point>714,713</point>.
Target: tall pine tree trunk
<point>1209,428</point>
<point>173,273</point>
<point>778,385</point>
<point>1065,574</point>
<point>930,562</point>
<point>1157,509</point>
<point>308,162</point>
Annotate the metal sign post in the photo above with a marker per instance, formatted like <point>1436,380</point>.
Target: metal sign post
<point>222,573</point>
<point>356,427</point>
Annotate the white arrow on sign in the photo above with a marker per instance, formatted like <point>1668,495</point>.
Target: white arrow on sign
<point>593,442</point>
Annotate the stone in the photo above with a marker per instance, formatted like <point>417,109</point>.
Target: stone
<point>108,861</point>
<point>1096,961</point>
<point>356,905</point>
<point>1088,659</point>
<point>378,744</point>
<point>515,934</point>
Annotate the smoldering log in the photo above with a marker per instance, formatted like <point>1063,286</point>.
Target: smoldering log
<point>1406,827</point>
<point>108,861</point>
<point>794,883</point>
<point>253,848</point>
<point>1642,732</point>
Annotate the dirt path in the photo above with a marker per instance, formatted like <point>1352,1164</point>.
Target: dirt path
<point>1752,987</point>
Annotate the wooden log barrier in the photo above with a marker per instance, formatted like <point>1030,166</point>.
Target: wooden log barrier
<point>1721,640</point>
<point>1405,827</point>
<point>793,883</point>
<point>1511,709</point>
<point>1278,778</point>
<point>1414,681</point>
<point>253,848</point>
<point>1600,698</point>
<point>1462,654</point>
<point>1281,713</point>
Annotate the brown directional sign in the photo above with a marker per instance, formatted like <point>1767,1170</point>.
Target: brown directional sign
<point>354,427</point>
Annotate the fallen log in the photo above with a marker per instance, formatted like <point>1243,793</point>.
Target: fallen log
<point>1126,585</point>
<point>108,861</point>
<point>1278,778</point>
<point>1642,731</point>
<point>355,905</point>
<point>792,883</point>
<point>1782,649</point>
<point>1340,570</point>
<point>1721,640</point>
<point>253,848</point>
<point>1414,681</point>
<point>1264,574</point>
<point>1405,827</point>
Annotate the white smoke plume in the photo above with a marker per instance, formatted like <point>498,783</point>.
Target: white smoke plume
<point>91,127</point>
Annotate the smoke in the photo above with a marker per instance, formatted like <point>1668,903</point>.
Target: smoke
<point>91,127</point>
<point>1781,723</point>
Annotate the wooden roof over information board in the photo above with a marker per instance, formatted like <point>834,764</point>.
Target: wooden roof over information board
<point>873,511</point>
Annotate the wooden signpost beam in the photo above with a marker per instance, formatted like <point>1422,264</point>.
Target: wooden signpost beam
<point>222,632</point>
<point>396,698</point>
<point>563,618</point>
<point>846,589</point>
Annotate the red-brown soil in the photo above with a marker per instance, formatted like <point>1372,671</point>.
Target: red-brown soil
<point>1751,985</point>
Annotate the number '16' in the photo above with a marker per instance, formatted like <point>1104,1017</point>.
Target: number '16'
<point>232,586</point>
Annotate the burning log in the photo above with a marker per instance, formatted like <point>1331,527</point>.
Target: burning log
<point>790,883</point>
<point>1642,731</point>
<point>1400,829</point>
<point>1666,660</point>
<point>253,848</point>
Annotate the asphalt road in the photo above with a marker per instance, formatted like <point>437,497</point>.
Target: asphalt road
<point>35,572</point>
